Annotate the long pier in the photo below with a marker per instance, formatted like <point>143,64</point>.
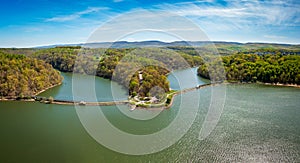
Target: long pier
<point>105,103</point>
<point>194,88</point>
<point>187,90</point>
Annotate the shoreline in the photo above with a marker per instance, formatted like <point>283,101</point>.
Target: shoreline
<point>43,90</point>
<point>14,98</point>
<point>282,85</point>
<point>262,83</point>
<point>109,103</point>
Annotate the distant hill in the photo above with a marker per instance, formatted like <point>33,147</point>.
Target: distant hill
<point>125,44</point>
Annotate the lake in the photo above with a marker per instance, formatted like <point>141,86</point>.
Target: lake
<point>258,124</point>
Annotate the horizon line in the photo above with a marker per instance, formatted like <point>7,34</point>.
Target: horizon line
<point>139,41</point>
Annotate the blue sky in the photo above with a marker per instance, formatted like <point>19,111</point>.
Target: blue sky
<point>27,23</point>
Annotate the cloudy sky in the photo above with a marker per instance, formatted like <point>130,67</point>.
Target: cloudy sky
<point>27,23</point>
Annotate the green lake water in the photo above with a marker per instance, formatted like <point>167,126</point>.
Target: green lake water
<point>258,124</point>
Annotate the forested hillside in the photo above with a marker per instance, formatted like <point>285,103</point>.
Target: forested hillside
<point>154,81</point>
<point>268,68</point>
<point>24,76</point>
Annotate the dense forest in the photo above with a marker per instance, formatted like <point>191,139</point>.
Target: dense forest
<point>102,62</point>
<point>23,76</point>
<point>154,82</point>
<point>266,68</point>
<point>237,48</point>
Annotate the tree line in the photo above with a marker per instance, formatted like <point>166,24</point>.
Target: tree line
<point>268,68</point>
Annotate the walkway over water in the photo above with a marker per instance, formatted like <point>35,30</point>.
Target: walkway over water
<point>123,102</point>
<point>106,103</point>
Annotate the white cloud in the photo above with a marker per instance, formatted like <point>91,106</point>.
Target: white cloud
<point>248,20</point>
<point>148,25</point>
<point>75,15</point>
<point>256,12</point>
<point>220,12</point>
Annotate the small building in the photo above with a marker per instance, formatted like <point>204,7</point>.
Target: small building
<point>153,99</point>
<point>82,103</point>
<point>140,76</point>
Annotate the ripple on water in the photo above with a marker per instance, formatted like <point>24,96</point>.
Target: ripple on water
<point>259,124</point>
